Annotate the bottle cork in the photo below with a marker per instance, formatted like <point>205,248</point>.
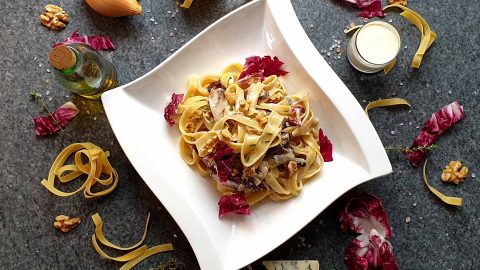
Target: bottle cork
<point>62,57</point>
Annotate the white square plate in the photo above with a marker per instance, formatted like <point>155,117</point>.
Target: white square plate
<point>262,27</point>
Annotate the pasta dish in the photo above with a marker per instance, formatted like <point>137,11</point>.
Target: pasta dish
<point>242,128</point>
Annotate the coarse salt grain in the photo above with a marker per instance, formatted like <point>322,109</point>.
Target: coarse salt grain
<point>414,204</point>
<point>152,19</point>
<point>408,219</point>
<point>88,112</point>
<point>401,83</point>
<point>473,175</point>
<point>40,65</point>
<point>47,93</point>
<point>48,70</point>
<point>94,118</point>
<point>392,132</point>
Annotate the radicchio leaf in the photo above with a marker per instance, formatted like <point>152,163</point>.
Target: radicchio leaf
<point>326,147</point>
<point>372,10</point>
<point>265,66</point>
<point>51,124</point>
<point>438,123</point>
<point>233,204</point>
<point>172,107</point>
<point>370,251</point>
<point>364,212</point>
<point>99,43</point>
<point>224,158</point>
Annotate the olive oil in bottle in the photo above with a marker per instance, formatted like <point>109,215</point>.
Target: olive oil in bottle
<point>81,69</point>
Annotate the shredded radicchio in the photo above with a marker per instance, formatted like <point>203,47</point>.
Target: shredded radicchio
<point>433,128</point>
<point>370,8</point>
<point>364,214</point>
<point>99,43</point>
<point>233,204</point>
<point>51,124</point>
<point>326,147</point>
<point>263,66</point>
<point>224,158</point>
<point>172,107</point>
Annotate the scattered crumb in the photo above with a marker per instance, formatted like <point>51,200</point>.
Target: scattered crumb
<point>392,132</point>
<point>417,127</point>
<point>47,93</point>
<point>414,204</point>
<point>40,65</point>
<point>409,123</point>
<point>48,70</point>
<point>311,25</point>
<point>472,175</point>
<point>408,219</point>
<point>401,83</point>
<point>152,19</point>
<point>449,92</point>
<point>172,50</point>
<point>174,235</point>
<point>390,20</point>
<point>409,193</point>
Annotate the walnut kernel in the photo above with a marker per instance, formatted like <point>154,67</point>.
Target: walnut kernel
<point>190,127</point>
<point>54,17</point>
<point>210,145</point>
<point>248,172</point>
<point>275,98</point>
<point>454,172</point>
<point>262,118</point>
<point>65,223</point>
<point>244,106</point>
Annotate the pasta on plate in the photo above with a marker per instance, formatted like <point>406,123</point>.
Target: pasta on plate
<point>243,129</point>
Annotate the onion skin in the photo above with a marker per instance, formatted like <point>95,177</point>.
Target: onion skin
<point>115,8</point>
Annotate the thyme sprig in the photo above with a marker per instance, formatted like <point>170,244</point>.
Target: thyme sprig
<point>403,149</point>
<point>171,264</point>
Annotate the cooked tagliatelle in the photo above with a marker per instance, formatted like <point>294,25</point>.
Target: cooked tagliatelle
<point>246,132</point>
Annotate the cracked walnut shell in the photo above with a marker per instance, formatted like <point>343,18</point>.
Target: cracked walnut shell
<point>54,17</point>
<point>65,223</point>
<point>454,172</point>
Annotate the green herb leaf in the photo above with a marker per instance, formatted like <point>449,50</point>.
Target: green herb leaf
<point>253,145</point>
<point>35,94</point>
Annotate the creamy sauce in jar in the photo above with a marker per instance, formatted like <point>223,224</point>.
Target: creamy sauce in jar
<point>373,46</point>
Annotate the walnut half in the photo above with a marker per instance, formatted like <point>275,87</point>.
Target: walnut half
<point>454,172</point>
<point>54,17</point>
<point>65,223</point>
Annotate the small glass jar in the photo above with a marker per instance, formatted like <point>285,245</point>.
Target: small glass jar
<point>81,69</point>
<point>373,46</point>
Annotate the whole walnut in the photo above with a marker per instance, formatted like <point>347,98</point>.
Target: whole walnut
<point>54,17</point>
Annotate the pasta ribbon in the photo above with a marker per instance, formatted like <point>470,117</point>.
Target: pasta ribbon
<point>268,138</point>
<point>427,35</point>
<point>186,3</point>
<point>133,257</point>
<point>385,103</point>
<point>97,165</point>
<point>446,199</point>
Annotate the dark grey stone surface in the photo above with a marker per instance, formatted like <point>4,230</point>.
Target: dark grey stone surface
<point>438,236</point>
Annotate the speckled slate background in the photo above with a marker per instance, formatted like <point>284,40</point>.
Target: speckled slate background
<point>438,236</point>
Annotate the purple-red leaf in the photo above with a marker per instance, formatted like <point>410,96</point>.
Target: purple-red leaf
<point>364,212</point>
<point>374,9</point>
<point>326,147</point>
<point>370,8</point>
<point>51,124</point>
<point>265,66</point>
<point>370,251</point>
<point>224,158</point>
<point>172,107</point>
<point>438,123</point>
<point>233,204</point>
<point>99,43</point>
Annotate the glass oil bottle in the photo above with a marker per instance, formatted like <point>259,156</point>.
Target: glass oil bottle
<point>81,69</point>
